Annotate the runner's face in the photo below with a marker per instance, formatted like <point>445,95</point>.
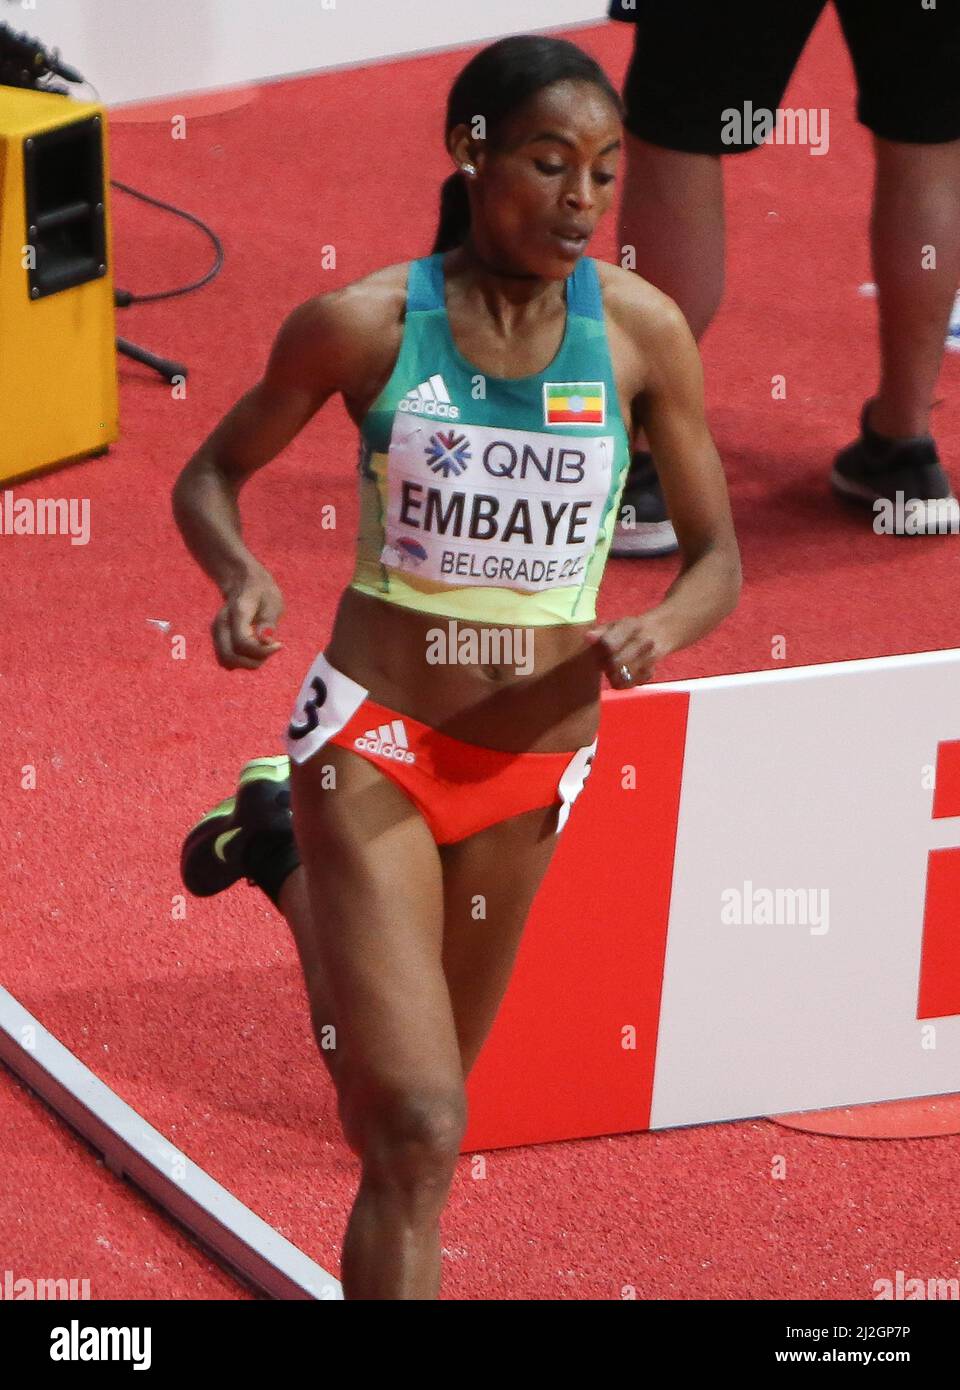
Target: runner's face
<point>552,176</point>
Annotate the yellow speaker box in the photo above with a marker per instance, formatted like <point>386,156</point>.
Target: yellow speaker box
<point>58,358</point>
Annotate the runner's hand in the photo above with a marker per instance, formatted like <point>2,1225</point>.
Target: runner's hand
<point>242,630</point>
<point>632,642</point>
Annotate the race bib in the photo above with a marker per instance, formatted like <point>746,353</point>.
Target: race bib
<point>475,504</point>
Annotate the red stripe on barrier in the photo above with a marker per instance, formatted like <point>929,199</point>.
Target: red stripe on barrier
<point>939,993</point>
<point>573,1050</point>
<point>946,796</point>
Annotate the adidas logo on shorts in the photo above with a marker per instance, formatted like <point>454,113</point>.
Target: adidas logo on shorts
<point>431,397</point>
<point>389,740</point>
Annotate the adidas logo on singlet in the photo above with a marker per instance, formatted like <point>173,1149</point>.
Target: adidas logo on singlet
<point>389,740</point>
<point>431,397</point>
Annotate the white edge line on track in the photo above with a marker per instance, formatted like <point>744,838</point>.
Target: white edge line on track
<point>134,1149</point>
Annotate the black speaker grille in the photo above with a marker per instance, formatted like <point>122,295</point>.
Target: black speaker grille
<point>64,199</point>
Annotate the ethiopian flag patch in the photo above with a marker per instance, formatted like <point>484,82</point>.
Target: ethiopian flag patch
<point>574,403</point>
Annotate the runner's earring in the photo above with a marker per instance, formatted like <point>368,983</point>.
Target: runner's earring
<point>469,169</point>
<point>626,674</point>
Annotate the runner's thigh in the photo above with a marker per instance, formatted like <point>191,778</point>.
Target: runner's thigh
<point>376,896</point>
<point>490,881</point>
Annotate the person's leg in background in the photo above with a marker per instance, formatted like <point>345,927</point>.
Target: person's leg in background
<point>671,214</point>
<point>692,61</point>
<point>907,61</point>
<point>916,204</point>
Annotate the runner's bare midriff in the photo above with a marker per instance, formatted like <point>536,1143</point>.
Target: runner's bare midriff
<point>553,707</point>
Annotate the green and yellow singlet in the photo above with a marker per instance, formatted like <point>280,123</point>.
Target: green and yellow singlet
<point>492,499</point>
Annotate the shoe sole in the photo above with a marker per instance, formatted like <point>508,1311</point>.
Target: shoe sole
<point>936,515</point>
<point>645,540</point>
<point>252,777</point>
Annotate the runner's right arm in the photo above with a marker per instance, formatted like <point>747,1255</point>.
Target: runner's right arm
<point>312,358</point>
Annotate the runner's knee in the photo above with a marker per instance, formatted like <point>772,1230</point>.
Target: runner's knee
<point>407,1137</point>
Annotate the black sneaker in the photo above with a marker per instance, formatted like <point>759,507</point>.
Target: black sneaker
<point>212,857</point>
<point>643,527</point>
<point>876,469</point>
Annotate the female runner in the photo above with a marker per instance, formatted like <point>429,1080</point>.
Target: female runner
<point>497,386</point>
